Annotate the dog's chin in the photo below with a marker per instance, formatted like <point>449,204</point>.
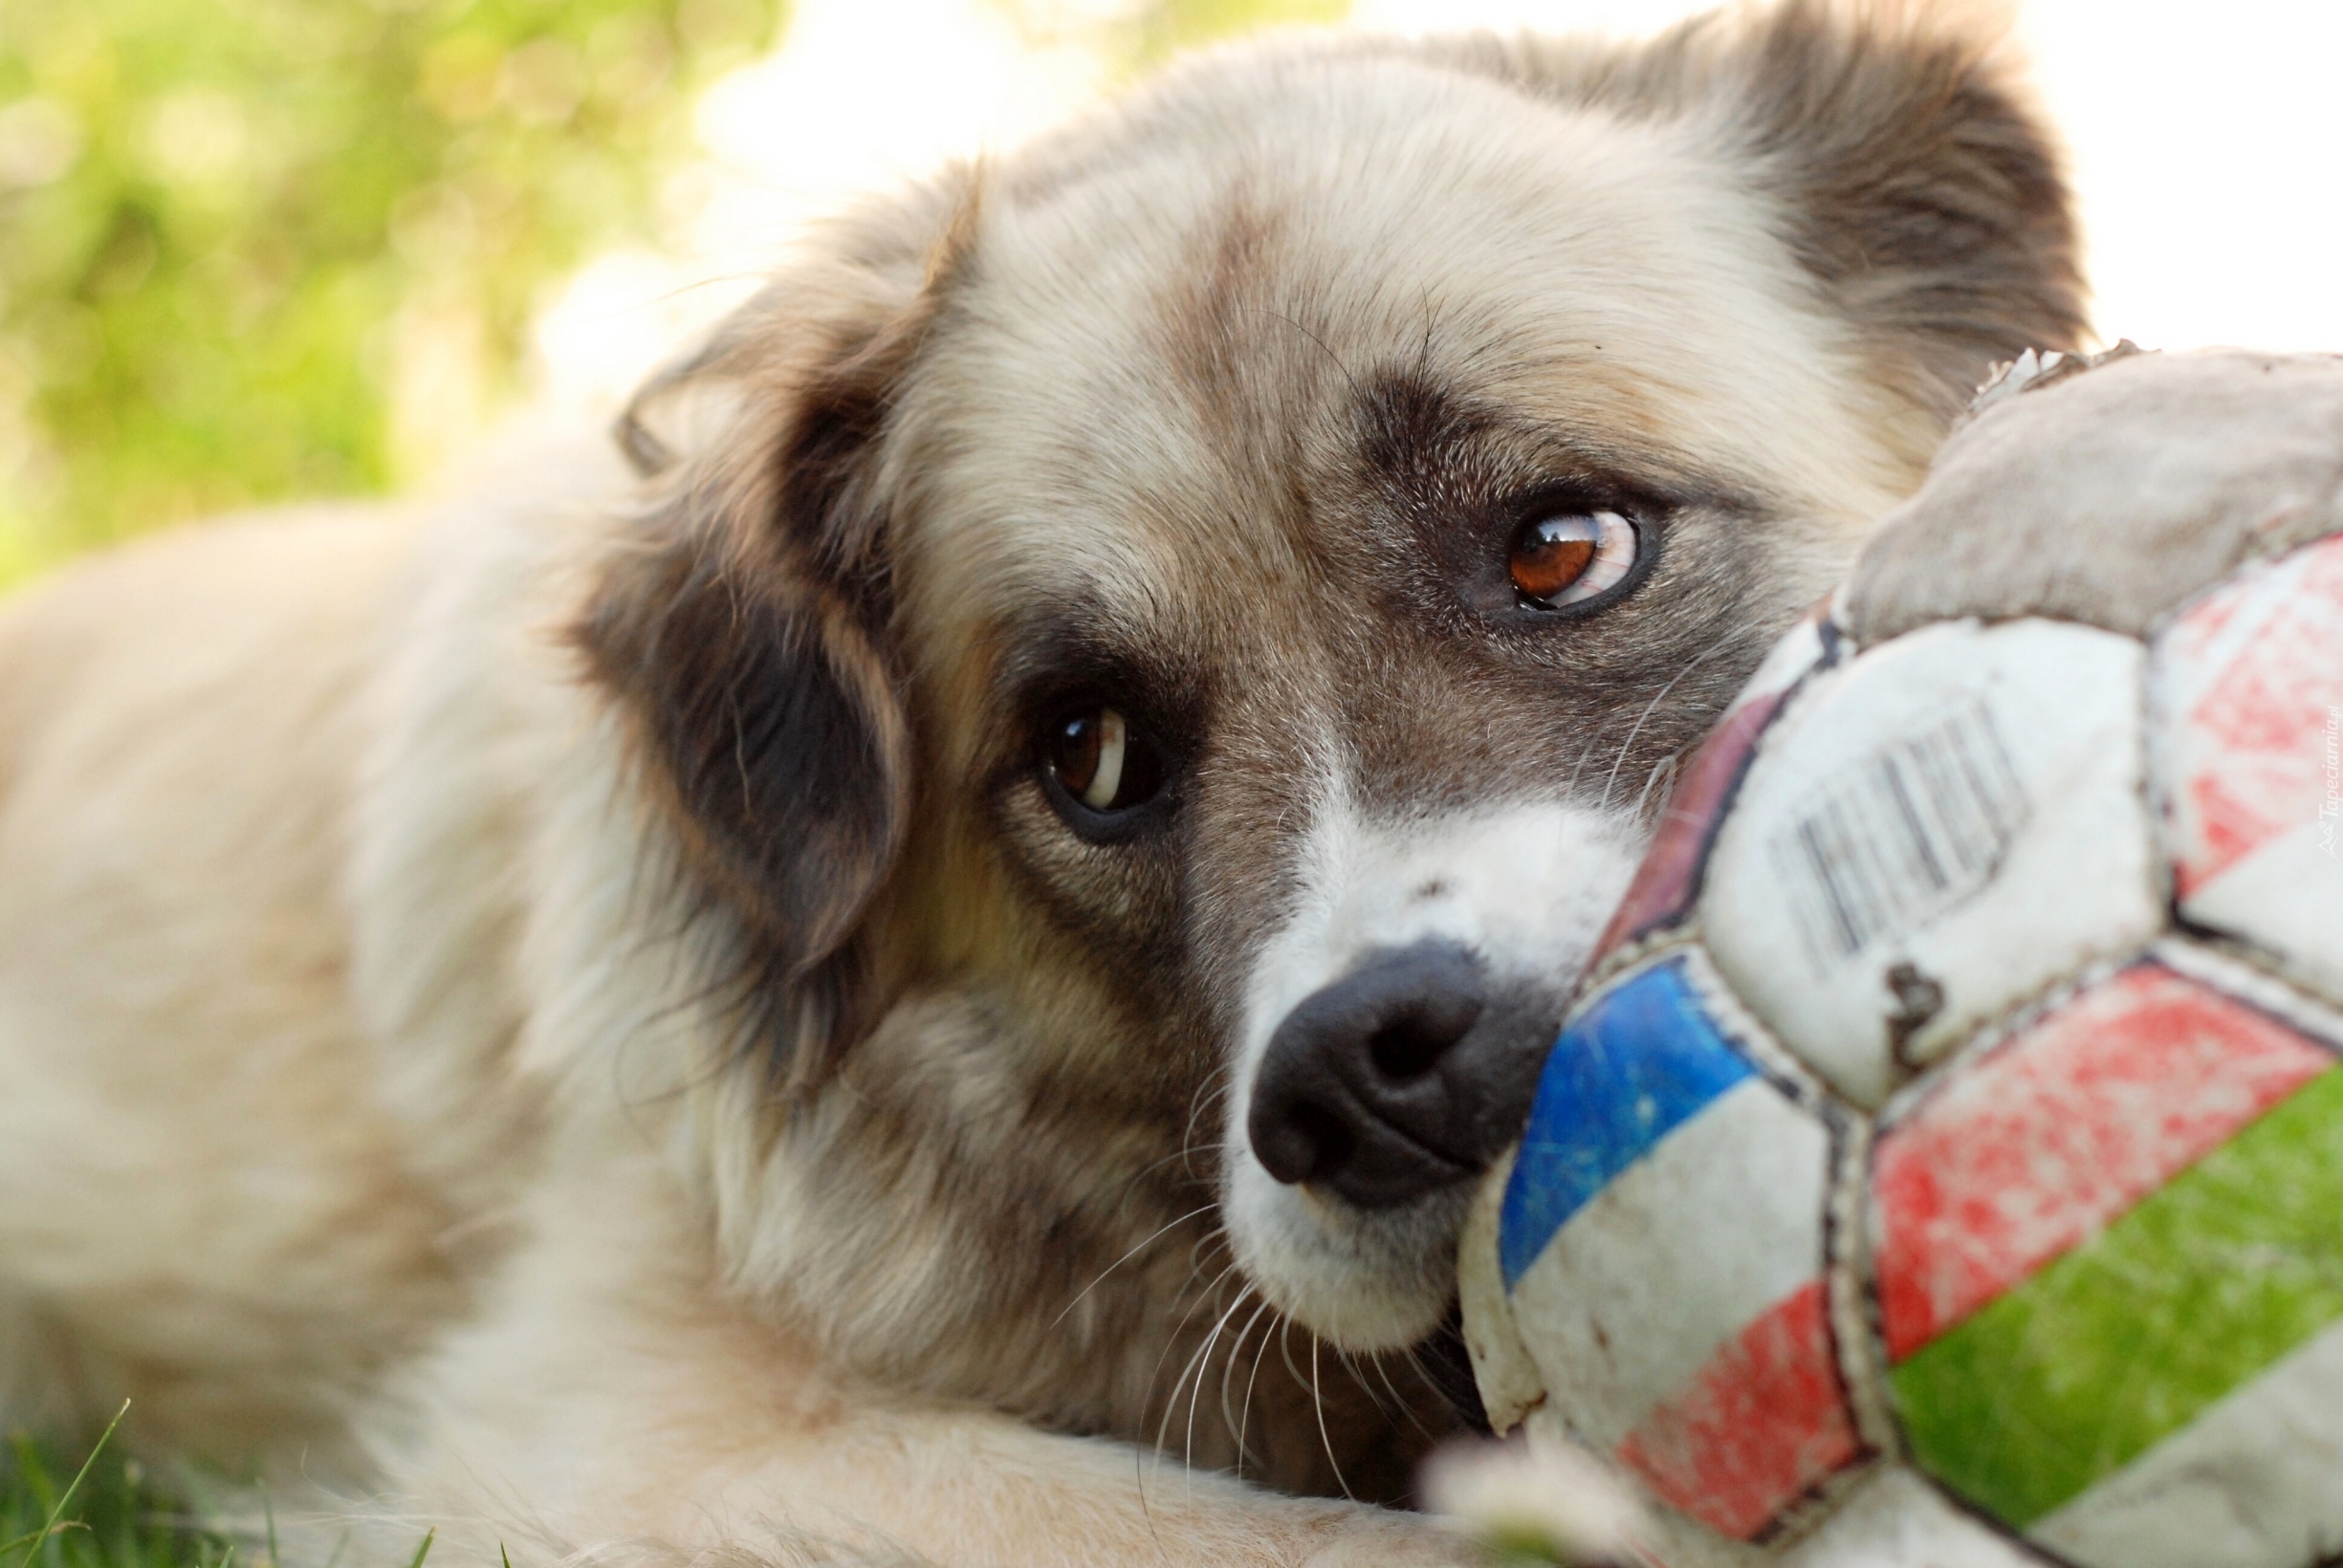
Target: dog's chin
<point>1379,1279</point>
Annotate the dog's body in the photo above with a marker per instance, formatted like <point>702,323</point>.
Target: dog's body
<point>756,1011</point>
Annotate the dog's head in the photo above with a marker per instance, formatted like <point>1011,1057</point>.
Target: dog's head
<point>1177,647</point>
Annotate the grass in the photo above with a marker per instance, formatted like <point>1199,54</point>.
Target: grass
<point>100,1508</point>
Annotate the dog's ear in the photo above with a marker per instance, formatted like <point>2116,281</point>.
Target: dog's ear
<point>745,629</point>
<point>1914,181</point>
<point>1923,189</point>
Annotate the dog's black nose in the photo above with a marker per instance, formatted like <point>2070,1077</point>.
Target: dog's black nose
<point>1397,1079</point>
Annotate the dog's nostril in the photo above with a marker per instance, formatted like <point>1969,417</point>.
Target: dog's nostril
<point>1301,1142</point>
<point>1330,1142</point>
<point>1368,1088</point>
<point>1407,1050</point>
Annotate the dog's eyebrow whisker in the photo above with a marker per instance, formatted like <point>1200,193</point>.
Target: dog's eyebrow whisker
<point>1423,352</point>
<point>1323,347</point>
<point>1151,1239</point>
<point>1661,696</point>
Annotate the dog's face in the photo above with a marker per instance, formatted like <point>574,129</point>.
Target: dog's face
<point>1196,633</point>
<point>1235,478</point>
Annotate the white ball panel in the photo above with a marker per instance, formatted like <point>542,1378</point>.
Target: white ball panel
<point>1932,833</point>
<point>1898,1520</point>
<point>2246,1485</point>
<point>1679,1253</point>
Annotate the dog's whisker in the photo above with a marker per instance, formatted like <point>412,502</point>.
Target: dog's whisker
<point>1285,1353</point>
<point>1244,1414</point>
<point>1228,1374</point>
<point>1197,1363</point>
<point>1407,1407</point>
<point>1398,1409</point>
<point>1125,1188</point>
<point>1649,708</point>
<point>1350,1364</point>
<point>1196,1393</point>
<point>1660,780</point>
<point>1171,1400</point>
<point>1198,1254</point>
<point>1317,1399</point>
<point>1158,1372</point>
<point>1171,1405</point>
<point>1203,1209</point>
<point>1207,1093</point>
<point>1585,749</point>
<point>1195,1299</point>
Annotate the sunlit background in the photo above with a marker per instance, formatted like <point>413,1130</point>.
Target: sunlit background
<point>260,247</point>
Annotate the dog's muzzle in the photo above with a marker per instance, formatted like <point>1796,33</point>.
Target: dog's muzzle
<point>1405,1077</point>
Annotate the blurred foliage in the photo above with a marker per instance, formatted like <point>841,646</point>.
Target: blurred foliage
<point>236,233</point>
<point>252,248</point>
<point>1167,25</point>
<point>1133,36</point>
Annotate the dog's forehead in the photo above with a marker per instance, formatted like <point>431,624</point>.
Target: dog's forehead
<point>1163,348</point>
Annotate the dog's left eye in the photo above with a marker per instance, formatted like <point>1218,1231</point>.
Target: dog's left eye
<point>1101,761</point>
<point>1571,556</point>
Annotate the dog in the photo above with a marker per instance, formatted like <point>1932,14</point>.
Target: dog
<point>925,977</point>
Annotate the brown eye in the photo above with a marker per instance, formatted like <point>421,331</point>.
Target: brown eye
<point>1100,762</point>
<point>1571,556</point>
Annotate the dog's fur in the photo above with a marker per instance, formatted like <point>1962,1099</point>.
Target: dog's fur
<point>574,1007</point>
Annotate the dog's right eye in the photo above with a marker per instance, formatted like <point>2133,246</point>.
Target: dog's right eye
<point>1572,557</point>
<point>1100,762</point>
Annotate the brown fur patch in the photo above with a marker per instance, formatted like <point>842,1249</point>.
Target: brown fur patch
<point>749,634</point>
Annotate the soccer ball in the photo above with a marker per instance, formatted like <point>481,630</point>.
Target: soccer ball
<point>1943,1163</point>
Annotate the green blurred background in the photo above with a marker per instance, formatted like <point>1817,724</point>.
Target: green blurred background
<point>226,226</point>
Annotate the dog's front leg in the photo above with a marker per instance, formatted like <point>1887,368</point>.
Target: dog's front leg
<point>615,1398</point>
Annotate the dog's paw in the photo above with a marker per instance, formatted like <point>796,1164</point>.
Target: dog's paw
<point>2109,489</point>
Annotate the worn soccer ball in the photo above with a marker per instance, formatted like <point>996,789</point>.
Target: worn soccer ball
<point>1943,1163</point>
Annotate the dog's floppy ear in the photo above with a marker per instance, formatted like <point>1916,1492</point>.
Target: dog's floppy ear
<point>1923,189</point>
<point>1914,179</point>
<point>745,630</point>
